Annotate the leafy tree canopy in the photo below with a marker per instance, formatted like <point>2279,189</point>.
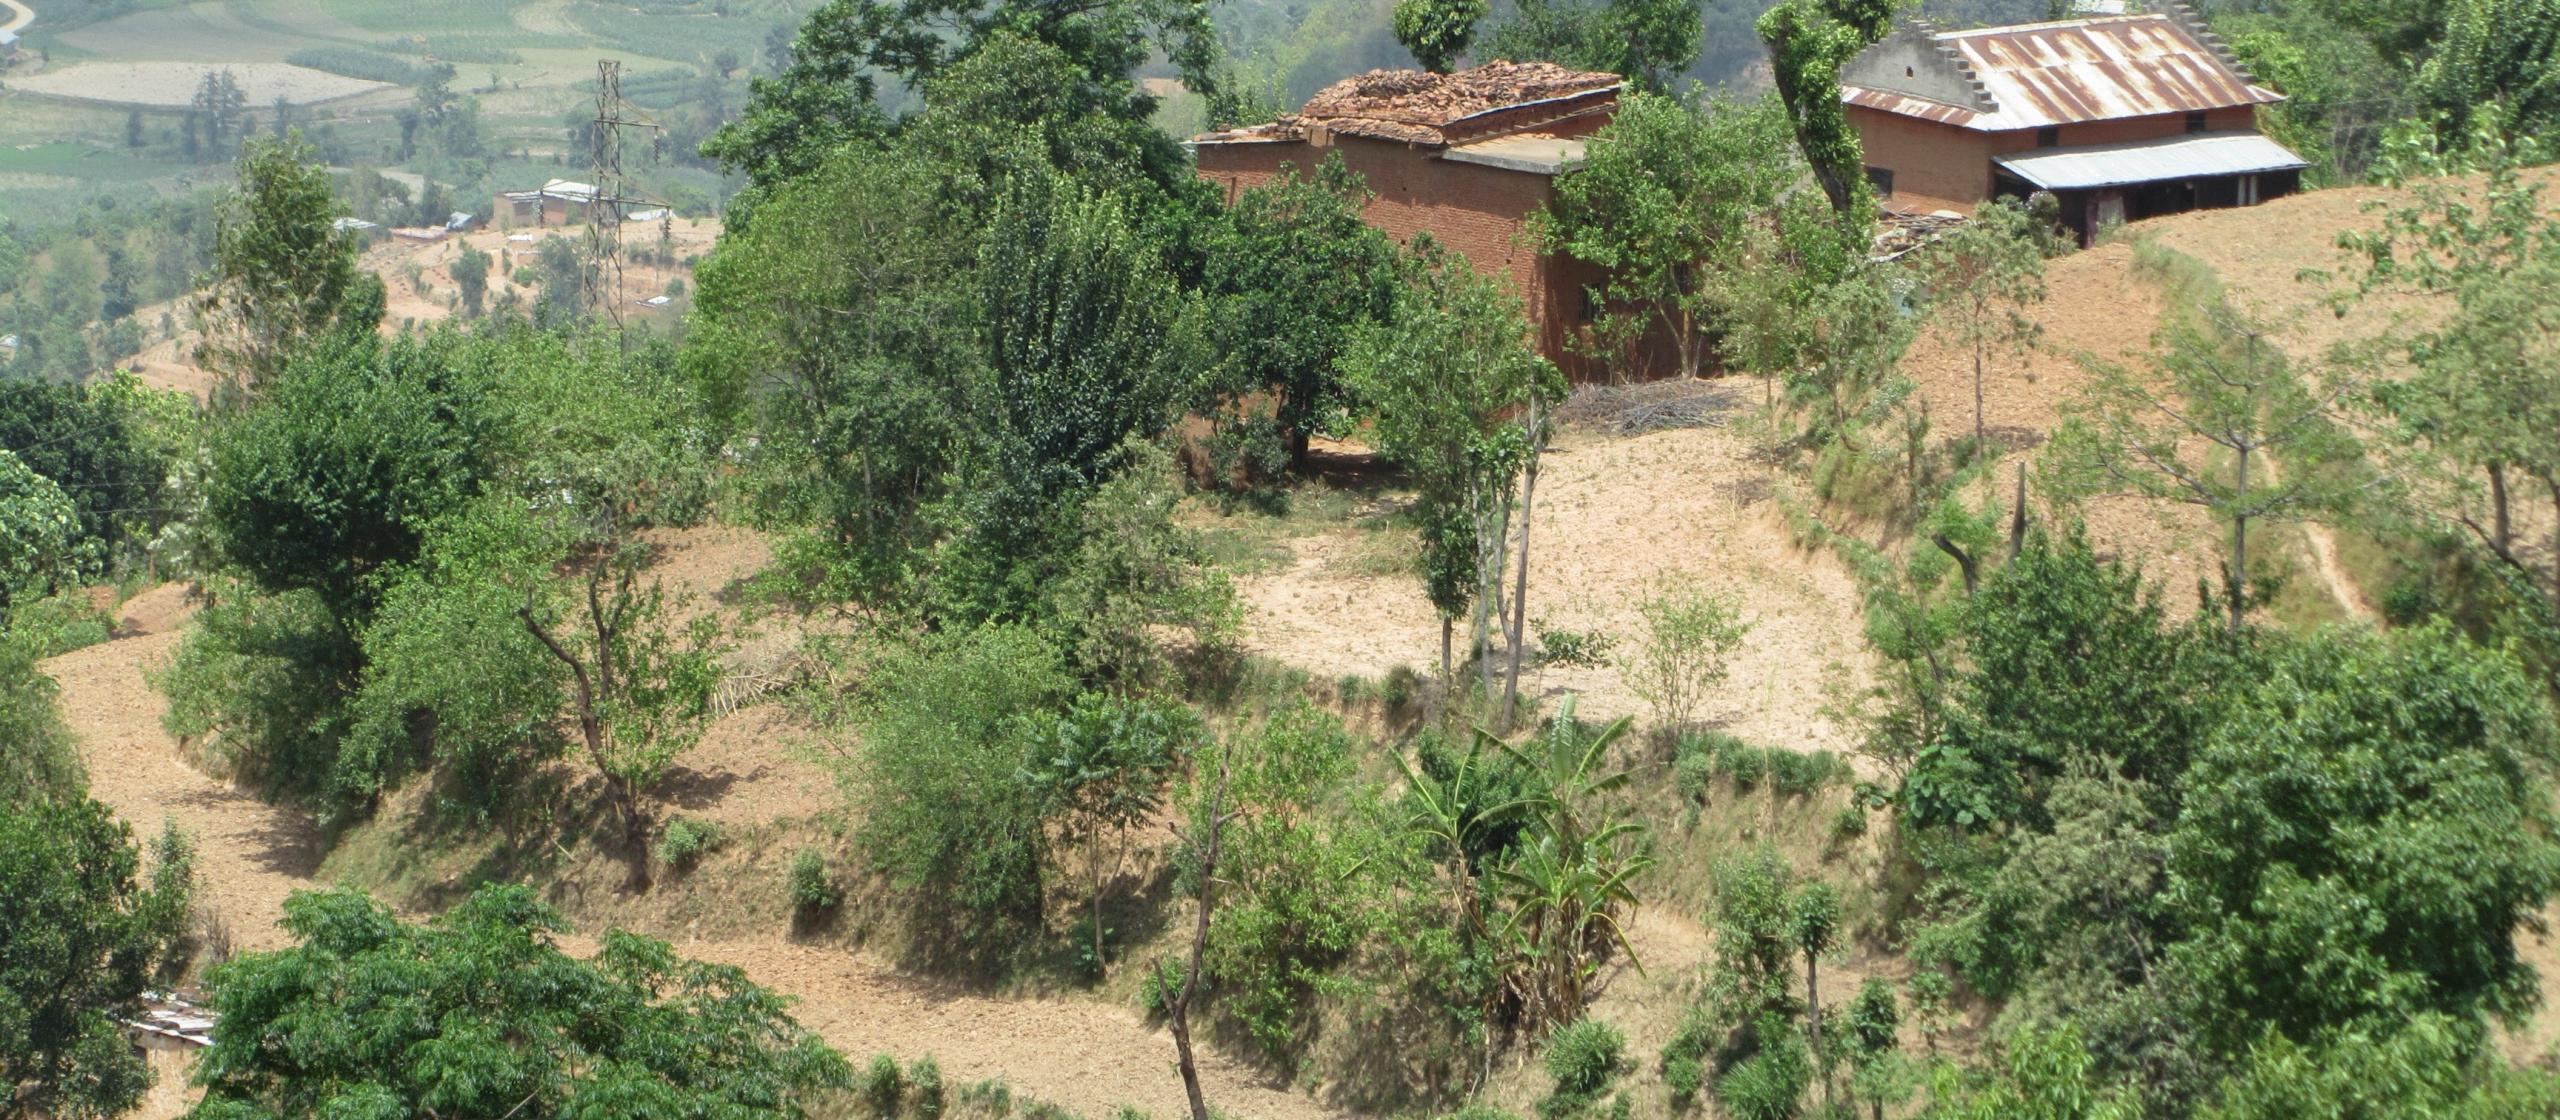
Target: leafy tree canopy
<point>83,938</point>
<point>480,1013</point>
<point>2362,837</point>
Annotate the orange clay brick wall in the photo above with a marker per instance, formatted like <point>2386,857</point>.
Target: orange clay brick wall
<point>1481,212</point>
<point>1942,167</point>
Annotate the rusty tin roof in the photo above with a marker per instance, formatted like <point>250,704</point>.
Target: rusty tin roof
<point>2068,72</point>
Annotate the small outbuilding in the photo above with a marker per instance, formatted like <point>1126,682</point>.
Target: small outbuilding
<point>2120,117</point>
<point>559,202</point>
<point>369,233</point>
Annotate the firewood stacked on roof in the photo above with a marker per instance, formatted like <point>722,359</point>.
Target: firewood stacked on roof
<point>1412,105</point>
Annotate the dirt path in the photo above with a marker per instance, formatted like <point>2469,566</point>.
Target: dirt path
<point>1087,1056</point>
<point>2324,555</point>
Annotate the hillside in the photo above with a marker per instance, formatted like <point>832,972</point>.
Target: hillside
<point>1330,593</point>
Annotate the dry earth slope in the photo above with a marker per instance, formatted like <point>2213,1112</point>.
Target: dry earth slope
<point>1088,1056</point>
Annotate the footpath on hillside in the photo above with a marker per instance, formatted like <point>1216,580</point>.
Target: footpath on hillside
<point>1086,1056</point>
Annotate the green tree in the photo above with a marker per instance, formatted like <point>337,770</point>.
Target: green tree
<point>2424,1067</point>
<point>1303,888</point>
<point>1102,767</point>
<point>938,773</point>
<point>1294,271</point>
<point>1987,273</point>
<point>1809,41</point>
<point>1443,378</point>
<point>1650,42</point>
<point>338,472</point>
<point>1137,578</point>
<point>38,535</point>
<point>1437,31</point>
<point>2042,1075</point>
<point>284,277</point>
<point>2066,655</point>
<point>1845,374</point>
<point>1672,202</point>
<point>1081,328</point>
<point>2495,59</point>
<point>825,98</point>
<point>481,1013</point>
<point>2219,383</point>
<point>2363,836</point>
<point>838,326</point>
<point>2473,431</point>
<point>83,939</point>
<point>37,755</point>
<point>470,272</point>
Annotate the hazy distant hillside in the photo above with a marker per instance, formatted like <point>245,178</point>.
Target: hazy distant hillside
<point>1296,47</point>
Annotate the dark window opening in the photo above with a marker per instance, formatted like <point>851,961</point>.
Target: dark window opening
<point>1906,72</point>
<point>1591,308</point>
<point>2049,136</point>
<point>2195,122</point>
<point>1881,178</point>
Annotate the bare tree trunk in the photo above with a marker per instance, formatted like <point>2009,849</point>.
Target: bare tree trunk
<point>1813,1018</point>
<point>1180,1013</point>
<point>2018,516</point>
<point>2240,545</point>
<point>591,731</point>
<point>1520,588</point>
<point>1977,388</point>
<point>1964,561</point>
<point>1447,626</point>
<point>2504,529</point>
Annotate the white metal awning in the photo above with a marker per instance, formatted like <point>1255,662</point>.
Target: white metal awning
<point>2202,155</point>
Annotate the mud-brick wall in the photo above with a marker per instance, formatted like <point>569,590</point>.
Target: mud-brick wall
<point>1481,212</point>
<point>1943,167</point>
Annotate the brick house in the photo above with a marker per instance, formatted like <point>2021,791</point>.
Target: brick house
<point>1466,156</point>
<point>2122,118</point>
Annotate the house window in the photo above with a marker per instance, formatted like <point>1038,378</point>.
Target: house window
<point>2195,122</point>
<point>1881,178</point>
<point>2049,136</point>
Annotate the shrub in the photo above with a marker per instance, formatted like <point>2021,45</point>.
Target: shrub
<point>1584,1055</point>
<point>685,840</point>
<point>58,624</point>
<point>1745,765</point>
<point>926,1095</point>
<point>1690,774</point>
<point>1799,773</point>
<point>1848,824</point>
<point>1478,1110</point>
<point>810,887</point>
<point>1157,991</point>
<point>939,775</point>
<point>883,1086</point>
<point>1399,688</point>
<point>1770,1084</point>
<point>1682,651</point>
<point>1685,1076</point>
<point>1573,649</point>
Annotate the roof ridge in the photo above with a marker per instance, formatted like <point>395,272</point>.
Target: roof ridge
<point>2051,24</point>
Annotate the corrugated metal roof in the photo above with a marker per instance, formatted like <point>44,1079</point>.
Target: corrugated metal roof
<point>2098,69</point>
<point>2203,155</point>
<point>2073,71</point>
<point>1904,104</point>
